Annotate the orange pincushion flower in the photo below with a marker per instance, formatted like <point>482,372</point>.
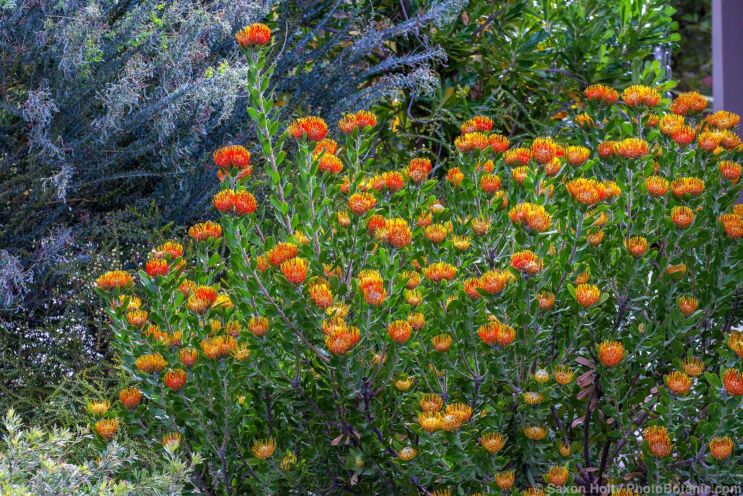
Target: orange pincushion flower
<point>493,442</point>
<point>526,261</point>
<point>137,318</point>
<point>224,201</point>
<point>678,383</point>
<point>471,287</point>
<point>201,299</point>
<point>232,157</point>
<point>637,95</point>
<point>170,249</point>
<point>659,444</point>
<point>393,180</point>
<point>412,279</point>
<point>709,140</point>
<point>577,155</point>
<point>98,408</point>
<point>496,332</point>
<point>584,120</point>
<point>607,149</point>
<point>429,421</point>
<point>735,342</point>
<point>682,216</point>
<point>188,356</point>
<point>587,294</point>
<point>254,35</point>
<point>441,342</point>
<point>321,294</point>
<point>595,238</point>
<point>258,326</point>
<point>692,366</point>
<point>107,428</point>
<point>586,191</point>
<point>407,453</point>
<point>687,186</point>
<point>732,379</point>
<point>359,120</point>
<point>372,287</point>
<point>325,146</point>
<point>684,136</point>
<point>534,432</point>
<point>505,480</point>
<point>670,123</point>
<point>550,170</point>
<point>218,347</point>
<point>471,141</point>
<point>175,379</point>
<point>494,281</point>
<point>611,353</point>
<point>490,183</point>
<point>732,224</point>
<point>533,216</point>
<point>436,233</point>
<point>498,143</point>
<point>130,397</point>
<point>723,119</point>
<point>532,398</point>
<point>152,363</point>
<point>517,156</point>
<point>478,123</point>
<point>263,448</point>
<point>205,230</point>
<point>295,270</point>
<point>481,226</point>
<point>601,93</point>
<point>398,233</point>
<point>689,102</point>
<point>360,203</point>
<point>557,476</point>
<point>543,150</point>
<point>419,169</point>
<point>656,185</point>
<point>281,253</point>
<point>545,300</point>
<point>721,447</point>
<point>461,243</point>
<point>729,140</point>
<point>330,164</point>
<point>311,128</point>
<point>115,279</point>
<point>430,402</point>
<point>244,203</point>
<point>417,320</point>
<point>342,339</point>
<point>730,170</point>
<point>687,304</point>
<point>440,271</point>
<point>399,331</point>
<point>156,267</point>
<point>461,411</point>
<point>519,174</point>
<point>637,246</point>
<point>632,148</point>
<point>564,375</point>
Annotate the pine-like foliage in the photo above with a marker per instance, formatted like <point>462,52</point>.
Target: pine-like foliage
<point>112,107</point>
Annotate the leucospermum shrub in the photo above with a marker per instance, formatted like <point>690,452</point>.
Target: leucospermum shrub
<point>561,311</point>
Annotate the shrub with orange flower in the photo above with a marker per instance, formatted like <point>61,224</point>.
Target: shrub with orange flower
<point>355,322</point>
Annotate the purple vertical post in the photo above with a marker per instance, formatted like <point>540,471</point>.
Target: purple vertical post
<point>727,55</point>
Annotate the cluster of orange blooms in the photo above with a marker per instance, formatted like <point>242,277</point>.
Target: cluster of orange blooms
<point>286,266</point>
<point>432,418</point>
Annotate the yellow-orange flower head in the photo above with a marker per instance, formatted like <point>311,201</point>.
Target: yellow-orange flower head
<point>254,35</point>
<point>610,353</point>
<point>311,128</point>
